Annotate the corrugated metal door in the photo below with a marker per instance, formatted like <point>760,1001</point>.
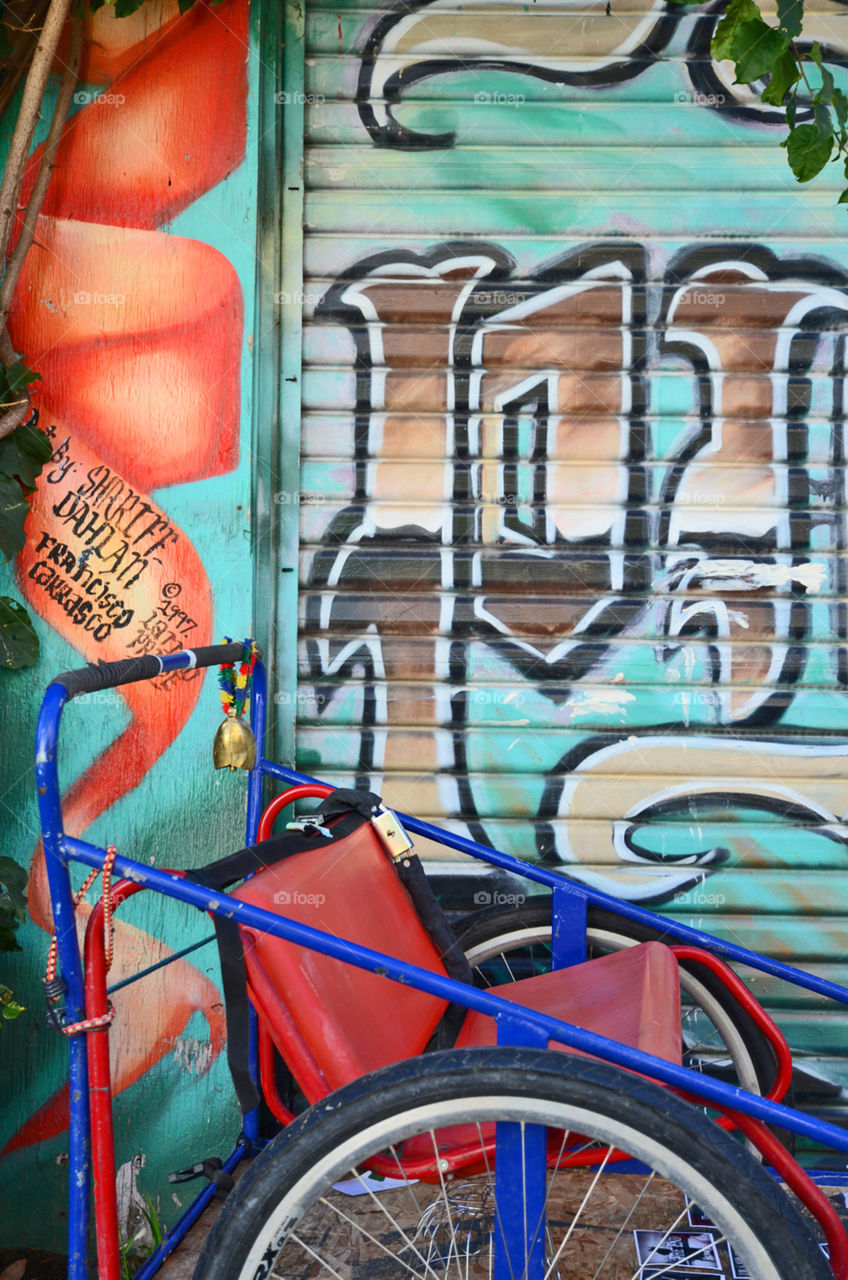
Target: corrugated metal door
<point>572,487</point>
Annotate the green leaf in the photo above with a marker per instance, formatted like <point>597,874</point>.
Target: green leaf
<point>790,14</point>
<point>13,878</point>
<point>13,512</point>
<point>18,376</point>
<point>825,93</point>
<point>790,110</point>
<point>756,49</point>
<point>843,199</point>
<point>18,647</point>
<point>125,8</point>
<point>23,454</point>
<point>808,152</point>
<point>738,11</point>
<point>840,106</point>
<point>9,1008</point>
<point>815,54</point>
<point>823,122</point>
<point>786,73</point>
<point>185,5</point>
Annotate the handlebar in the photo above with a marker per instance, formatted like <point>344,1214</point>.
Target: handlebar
<point>108,675</point>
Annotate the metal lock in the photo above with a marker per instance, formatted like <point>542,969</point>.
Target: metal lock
<point>393,838</point>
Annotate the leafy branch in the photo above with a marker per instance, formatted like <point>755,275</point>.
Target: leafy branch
<point>795,78</point>
<point>13,880</point>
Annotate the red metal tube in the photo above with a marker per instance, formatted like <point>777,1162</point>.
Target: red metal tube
<point>100,1089</point>
<point>803,1186</point>
<point>754,1010</point>
<point>302,792</point>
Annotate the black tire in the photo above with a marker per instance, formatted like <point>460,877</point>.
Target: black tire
<point>288,1218</point>
<point>719,1036</point>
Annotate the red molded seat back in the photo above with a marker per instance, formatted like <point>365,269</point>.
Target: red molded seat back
<point>351,1021</point>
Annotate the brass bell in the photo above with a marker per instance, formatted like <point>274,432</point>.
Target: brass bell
<point>234,746</point>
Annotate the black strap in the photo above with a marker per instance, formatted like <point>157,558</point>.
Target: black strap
<point>348,800</point>
<point>244,862</point>
<point>442,936</point>
<point>211,1168</point>
<point>237,1012</point>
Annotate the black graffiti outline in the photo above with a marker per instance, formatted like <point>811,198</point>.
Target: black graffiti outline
<point>394,134</point>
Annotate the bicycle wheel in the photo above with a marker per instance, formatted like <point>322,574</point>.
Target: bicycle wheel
<point>309,1207</point>
<point>719,1036</point>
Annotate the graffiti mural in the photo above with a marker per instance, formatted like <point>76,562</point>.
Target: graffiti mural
<point>607,621</point>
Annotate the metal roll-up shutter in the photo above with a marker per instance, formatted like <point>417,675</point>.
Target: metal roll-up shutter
<point>572,511</point>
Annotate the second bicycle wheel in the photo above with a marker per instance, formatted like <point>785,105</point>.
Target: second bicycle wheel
<point>312,1206</point>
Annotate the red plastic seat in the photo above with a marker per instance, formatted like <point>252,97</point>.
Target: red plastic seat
<point>333,1022</point>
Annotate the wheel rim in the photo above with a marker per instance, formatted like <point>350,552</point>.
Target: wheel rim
<point>447,1229</point>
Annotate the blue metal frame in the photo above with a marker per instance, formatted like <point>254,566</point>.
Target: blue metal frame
<point>516,1025</point>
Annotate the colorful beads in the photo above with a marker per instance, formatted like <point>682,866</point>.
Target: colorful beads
<point>235,684</point>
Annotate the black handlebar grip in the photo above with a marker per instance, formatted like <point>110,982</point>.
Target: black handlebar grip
<point>108,675</point>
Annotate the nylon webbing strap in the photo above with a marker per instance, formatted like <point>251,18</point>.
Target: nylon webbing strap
<point>237,1011</point>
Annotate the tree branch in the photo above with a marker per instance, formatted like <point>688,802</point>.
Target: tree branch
<point>36,83</point>
<point>45,171</point>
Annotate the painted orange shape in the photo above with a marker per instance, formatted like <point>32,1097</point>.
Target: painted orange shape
<point>138,329</point>
<point>160,137</point>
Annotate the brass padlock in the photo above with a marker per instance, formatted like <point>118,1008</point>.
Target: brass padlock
<point>392,835</point>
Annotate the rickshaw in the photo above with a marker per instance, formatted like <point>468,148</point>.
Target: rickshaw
<point>576,1087</point>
